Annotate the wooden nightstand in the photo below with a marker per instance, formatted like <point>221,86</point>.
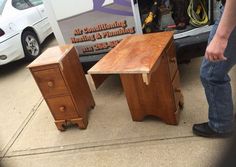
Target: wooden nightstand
<point>148,70</point>
<point>61,80</point>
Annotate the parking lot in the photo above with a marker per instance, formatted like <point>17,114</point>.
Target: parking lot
<point>29,137</point>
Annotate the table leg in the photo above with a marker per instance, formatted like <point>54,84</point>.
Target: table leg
<point>81,123</point>
<point>61,125</point>
<point>155,99</point>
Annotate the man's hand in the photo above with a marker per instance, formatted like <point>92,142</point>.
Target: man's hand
<point>216,48</point>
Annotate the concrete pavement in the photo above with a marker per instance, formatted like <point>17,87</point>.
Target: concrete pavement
<point>28,136</point>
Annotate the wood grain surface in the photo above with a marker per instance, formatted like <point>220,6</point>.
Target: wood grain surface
<point>156,99</point>
<point>134,54</point>
<point>149,74</point>
<point>61,80</point>
<point>51,56</point>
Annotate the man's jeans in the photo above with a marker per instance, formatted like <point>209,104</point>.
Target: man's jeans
<point>216,81</point>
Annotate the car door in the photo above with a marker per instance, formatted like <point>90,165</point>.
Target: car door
<point>43,27</point>
<point>23,14</point>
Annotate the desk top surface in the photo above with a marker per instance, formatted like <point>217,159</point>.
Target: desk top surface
<point>134,54</point>
<point>51,56</point>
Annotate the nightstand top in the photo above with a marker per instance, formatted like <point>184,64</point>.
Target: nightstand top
<point>52,55</point>
<point>134,54</point>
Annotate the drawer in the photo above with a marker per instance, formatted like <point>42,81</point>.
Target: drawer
<point>62,108</point>
<point>176,89</point>
<point>50,82</point>
<point>172,61</point>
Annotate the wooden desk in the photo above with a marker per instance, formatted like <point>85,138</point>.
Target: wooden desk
<point>61,80</point>
<point>148,70</point>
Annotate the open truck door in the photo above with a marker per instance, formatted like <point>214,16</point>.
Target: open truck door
<point>96,26</point>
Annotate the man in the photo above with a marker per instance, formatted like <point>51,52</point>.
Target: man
<point>219,58</point>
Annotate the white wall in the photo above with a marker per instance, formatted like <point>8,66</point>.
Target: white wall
<point>67,8</point>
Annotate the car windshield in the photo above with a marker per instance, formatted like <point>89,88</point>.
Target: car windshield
<point>2,4</point>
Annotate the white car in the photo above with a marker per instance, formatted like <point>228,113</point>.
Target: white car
<point>23,27</point>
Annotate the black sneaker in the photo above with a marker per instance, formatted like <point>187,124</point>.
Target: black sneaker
<point>204,130</point>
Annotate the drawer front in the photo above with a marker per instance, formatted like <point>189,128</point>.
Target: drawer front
<point>50,82</point>
<point>176,89</point>
<point>62,108</point>
<point>172,61</point>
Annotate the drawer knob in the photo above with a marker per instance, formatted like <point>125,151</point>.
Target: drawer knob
<point>50,84</point>
<point>62,108</point>
<point>177,90</point>
<point>172,60</point>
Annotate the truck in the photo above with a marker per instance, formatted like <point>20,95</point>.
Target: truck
<point>94,27</point>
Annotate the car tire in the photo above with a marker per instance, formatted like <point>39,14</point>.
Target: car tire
<point>31,45</point>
